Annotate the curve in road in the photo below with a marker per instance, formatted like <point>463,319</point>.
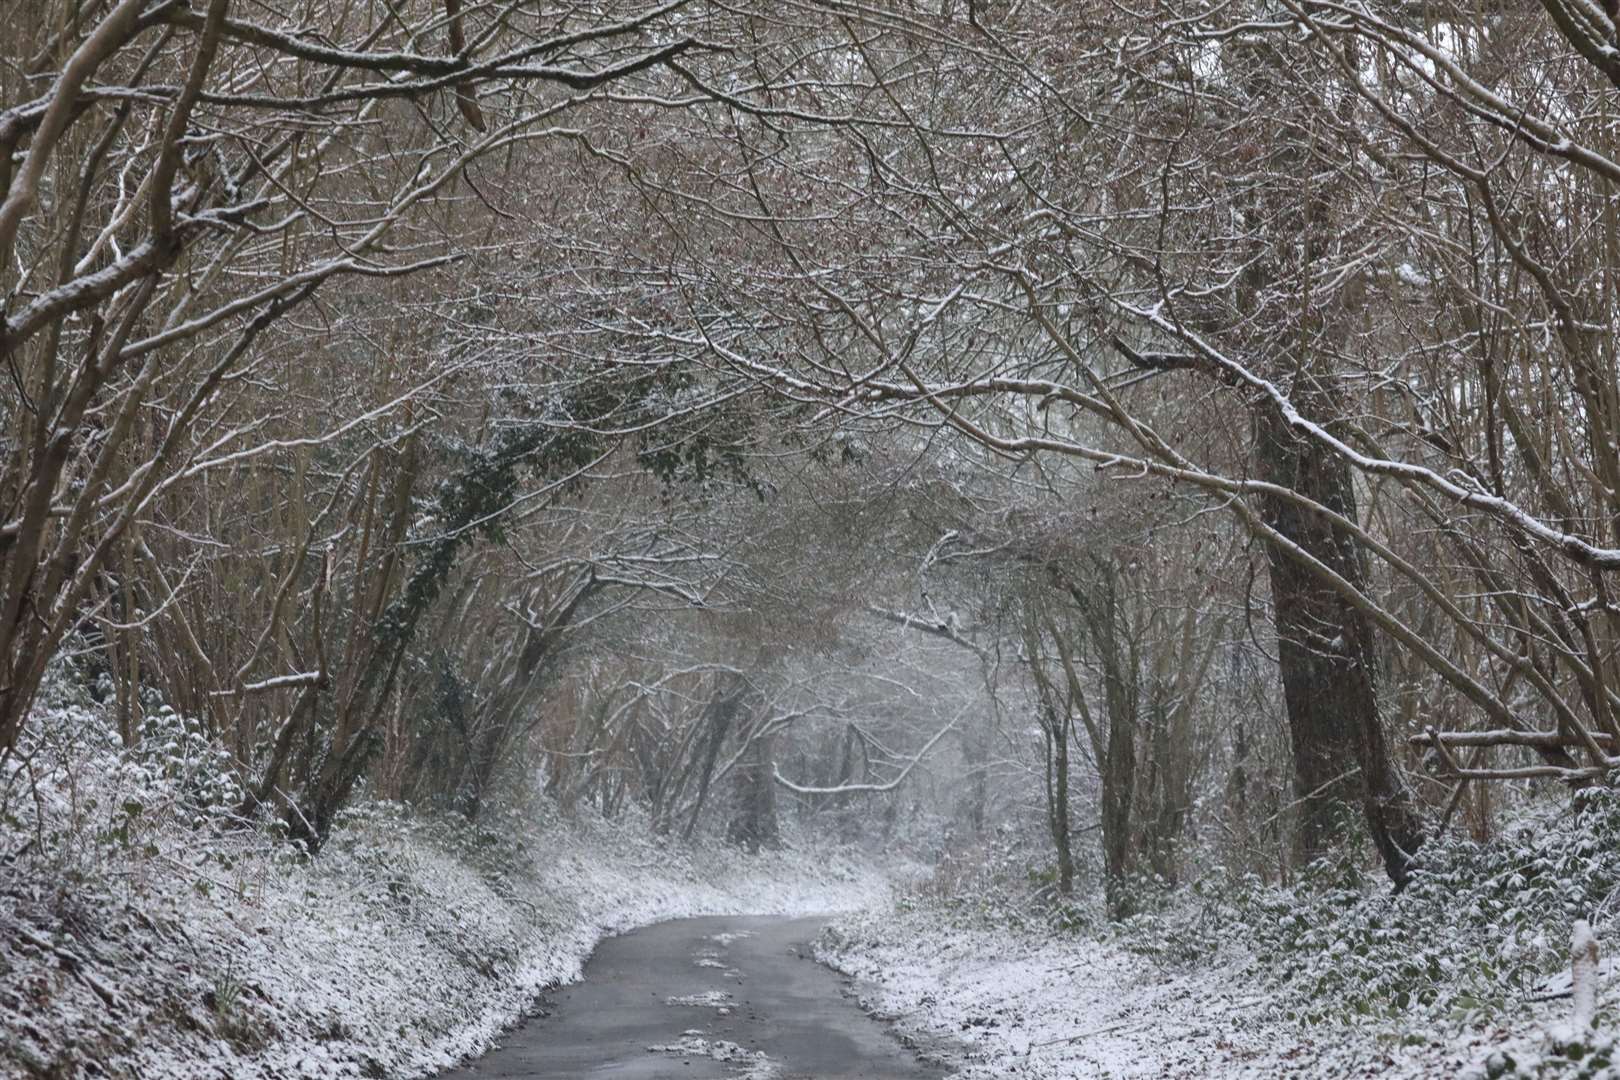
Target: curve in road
<point>703,999</point>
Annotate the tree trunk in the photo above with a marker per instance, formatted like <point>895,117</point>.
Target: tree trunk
<point>1327,658</point>
<point>753,822</point>
<point>1057,730</point>
<point>722,711</point>
<point>1171,787</point>
<point>1118,784</point>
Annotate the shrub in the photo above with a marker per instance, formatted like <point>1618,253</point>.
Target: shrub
<point>1477,932</point>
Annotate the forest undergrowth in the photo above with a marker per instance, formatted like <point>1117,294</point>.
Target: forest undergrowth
<point>1467,971</point>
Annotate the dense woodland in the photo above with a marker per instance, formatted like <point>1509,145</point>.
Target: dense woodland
<point>1183,435</point>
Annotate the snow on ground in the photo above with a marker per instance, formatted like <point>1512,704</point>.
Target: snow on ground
<point>1045,1005</point>
<point>1029,1004</point>
<point>314,970</point>
<point>695,1043</point>
<point>709,999</point>
<point>145,933</point>
<point>142,938</point>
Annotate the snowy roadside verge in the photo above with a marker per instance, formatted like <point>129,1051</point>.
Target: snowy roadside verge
<point>316,970</point>
<point>1024,1003</point>
<point>142,935</point>
<point>1048,1005</point>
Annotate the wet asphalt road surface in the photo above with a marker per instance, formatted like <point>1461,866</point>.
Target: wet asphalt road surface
<point>703,999</point>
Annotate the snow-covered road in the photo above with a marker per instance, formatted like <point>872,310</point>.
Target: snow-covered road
<point>703,999</point>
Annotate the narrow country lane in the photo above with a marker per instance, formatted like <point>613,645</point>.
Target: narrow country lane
<point>702,999</point>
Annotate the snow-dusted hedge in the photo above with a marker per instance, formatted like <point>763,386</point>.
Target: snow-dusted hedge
<point>144,932</point>
<point>1479,931</point>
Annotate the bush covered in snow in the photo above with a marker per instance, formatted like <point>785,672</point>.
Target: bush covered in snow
<point>1478,931</point>
<point>1472,959</point>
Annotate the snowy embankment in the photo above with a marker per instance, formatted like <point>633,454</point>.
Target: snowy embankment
<point>1027,1003</point>
<point>1032,1002</point>
<point>396,961</point>
<point>142,937</point>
